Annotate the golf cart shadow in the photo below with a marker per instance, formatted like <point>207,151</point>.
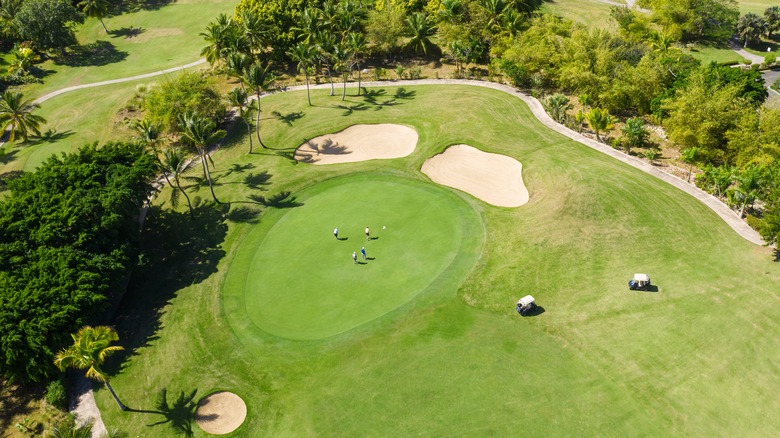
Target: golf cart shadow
<point>651,288</point>
<point>536,311</point>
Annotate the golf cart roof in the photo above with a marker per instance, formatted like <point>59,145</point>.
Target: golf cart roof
<point>641,277</point>
<point>526,300</point>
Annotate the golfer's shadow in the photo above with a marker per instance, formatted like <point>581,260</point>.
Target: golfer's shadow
<point>342,238</point>
<point>362,263</point>
<point>374,238</point>
<point>370,258</point>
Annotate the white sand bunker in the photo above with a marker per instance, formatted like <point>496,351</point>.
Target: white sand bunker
<point>220,413</point>
<point>493,178</point>
<point>359,143</point>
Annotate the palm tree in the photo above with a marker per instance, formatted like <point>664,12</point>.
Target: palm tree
<point>16,114</point>
<point>217,36</point>
<point>357,43</point>
<point>97,9</point>
<point>91,346</point>
<point>557,105</point>
<point>691,155</point>
<point>239,98</point>
<point>303,53</point>
<point>420,32</point>
<point>260,79</point>
<point>252,28</point>
<point>772,20</point>
<point>580,117</point>
<point>175,162</point>
<point>343,57</point>
<point>451,11</point>
<point>634,132</point>
<point>201,133</point>
<point>326,41</point>
<point>599,121</point>
<point>747,187</point>
<point>750,27</point>
<point>149,137</point>
<point>236,63</point>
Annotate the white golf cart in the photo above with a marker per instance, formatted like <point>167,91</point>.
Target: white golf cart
<point>525,305</point>
<point>640,282</point>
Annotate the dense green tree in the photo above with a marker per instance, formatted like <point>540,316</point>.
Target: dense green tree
<point>772,20</point>
<point>756,138</point>
<point>188,91</point>
<point>384,28</point>
<point>8,10</point>
<point>709,20</point>
<point>48,23</point>
<point>750,28</point>
<point>201,133</point>
<point>259,79</point>
<point>17,117</point>
<point>96,9</point>
<point>68,238</point>
<point>91,347</point>
<point>278,19</point>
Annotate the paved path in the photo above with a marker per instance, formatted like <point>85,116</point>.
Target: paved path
<point>721,209</point>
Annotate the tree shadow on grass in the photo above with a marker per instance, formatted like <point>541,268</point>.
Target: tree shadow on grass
<point>279,200</point>
<point>120,8</point>
<point>93,54</point>
<point>15,401</point>
<point>288,118</point>
<point>180,414</point>
<point>176,251</point>
<point>126,32</point>
<point>52,135</point>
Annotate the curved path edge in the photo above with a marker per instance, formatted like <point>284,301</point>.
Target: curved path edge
<point>715,204</point>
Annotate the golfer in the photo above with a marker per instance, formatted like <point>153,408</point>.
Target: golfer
<point>354,257</point>
<point>368,234</point>
<point>363,251</point>
<point>336,233</point>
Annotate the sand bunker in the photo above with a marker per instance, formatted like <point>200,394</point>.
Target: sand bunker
<point>493,178</point>
<point>359,143</point>
<point>220,413</point>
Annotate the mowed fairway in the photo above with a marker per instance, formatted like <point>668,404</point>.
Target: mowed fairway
<point>699,357</point>
<point>317,290</point>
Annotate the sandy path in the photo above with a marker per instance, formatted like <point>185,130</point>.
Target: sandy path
<point>359,143</point>
<point>493,178</point>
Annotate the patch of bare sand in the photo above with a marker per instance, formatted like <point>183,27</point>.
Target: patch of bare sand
<point>220,413</point>
<point>359,143</point>
<point>493,178</point>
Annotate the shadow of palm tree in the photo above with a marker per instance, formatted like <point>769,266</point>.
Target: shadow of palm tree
<point>349,109</point>
<point>288,118</point>
<point>256,181</point>
<point>403,93</point>
<point>180,414</point>
<point>7,157</point>
<point>243,214</point>
<point>327,147</point>
<point>279,200</point>
<point>52,135</point>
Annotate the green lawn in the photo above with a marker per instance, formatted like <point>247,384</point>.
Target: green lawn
<point>590,12</point>
<point>695,358</point>
<point>707,54</point>
<point>142,42</point>
<point>755,6</point>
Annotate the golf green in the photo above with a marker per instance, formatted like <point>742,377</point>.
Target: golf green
<point>301,283</point>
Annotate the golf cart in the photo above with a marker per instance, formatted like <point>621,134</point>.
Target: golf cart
<point>640,282</point>
<point>525,305</point>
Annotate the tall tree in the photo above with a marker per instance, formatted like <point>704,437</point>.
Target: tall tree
<point>246,108</point>
<point>772,20</point>
<point>599,121</point>
<point>260,79</point>
<point>202,133</point>
<point>343,57</point>
<point>750,28</point>
<point>217,36</point>
<point>175,162</point>
<point>16,115</point>
<point>357,44</point>
<point>91,347</point>
<point>96,9</point>
<point>303,53</point>
<point>691,156</point>
<point>48,23</point>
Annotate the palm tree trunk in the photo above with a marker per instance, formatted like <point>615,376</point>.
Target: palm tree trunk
<point>111,390</point>
<point>257,125</point>
<point>249,133</point>
<point>189,204</point>
<point>690,170</point>
<point>104,25</point>
<point>208,179</point>
<point>358,69</point>
<point>330,78</point>
<point>308,93</point>
<point>344,85</point>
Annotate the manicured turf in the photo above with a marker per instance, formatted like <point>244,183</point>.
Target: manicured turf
<point>698,357</point>
<point>590,12</point>
<point>140,42</point>
<point>707,54</point>
<point>321,292</point>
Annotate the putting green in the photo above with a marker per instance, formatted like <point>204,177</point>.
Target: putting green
<point>298,282</point>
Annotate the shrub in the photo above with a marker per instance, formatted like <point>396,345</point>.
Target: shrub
<point>56,395</point>
<point>770,58</point>
<point>187,92</point>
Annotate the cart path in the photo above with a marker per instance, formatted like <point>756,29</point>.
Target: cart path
<point>715,204</point>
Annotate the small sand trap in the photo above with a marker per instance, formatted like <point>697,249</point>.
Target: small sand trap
<point>220,413</point>
<point>359,143</point>
<point>493,178</point>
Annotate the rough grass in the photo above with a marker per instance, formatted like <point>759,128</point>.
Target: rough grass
<point>590,12</point>
<point>698,357</point>
<point>755,6</point>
